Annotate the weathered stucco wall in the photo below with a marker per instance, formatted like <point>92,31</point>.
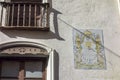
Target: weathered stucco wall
<point>67,15</point>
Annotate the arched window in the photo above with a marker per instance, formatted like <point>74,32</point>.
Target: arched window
<point>25,61</point>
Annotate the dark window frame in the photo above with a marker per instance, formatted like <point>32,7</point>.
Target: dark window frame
<point>22,61</point>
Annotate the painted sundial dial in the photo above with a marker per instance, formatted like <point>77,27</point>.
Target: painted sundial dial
<point>88,49</point>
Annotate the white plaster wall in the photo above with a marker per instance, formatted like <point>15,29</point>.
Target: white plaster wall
<point>67,15</point>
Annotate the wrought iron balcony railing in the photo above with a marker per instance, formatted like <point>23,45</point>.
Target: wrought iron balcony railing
<point>24,15</point>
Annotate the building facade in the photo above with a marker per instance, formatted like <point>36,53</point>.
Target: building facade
<point>59,40</point>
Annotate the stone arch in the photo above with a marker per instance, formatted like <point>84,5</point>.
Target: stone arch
<point>49,54</point>
<point>24,47</point>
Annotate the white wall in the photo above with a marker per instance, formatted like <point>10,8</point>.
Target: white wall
<point>67,15</point>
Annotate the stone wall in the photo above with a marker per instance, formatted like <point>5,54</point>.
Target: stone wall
<point>69,15</point>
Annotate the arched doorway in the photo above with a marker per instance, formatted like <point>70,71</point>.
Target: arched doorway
<point>23,60</point>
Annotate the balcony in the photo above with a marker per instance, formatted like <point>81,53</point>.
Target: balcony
<point>24,15</point>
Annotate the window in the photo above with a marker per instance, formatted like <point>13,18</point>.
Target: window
<point>17,57</point>
<point>23,70</point>
<point>24,14</point>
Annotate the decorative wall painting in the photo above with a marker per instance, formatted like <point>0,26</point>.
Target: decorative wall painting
<point>88,49</point>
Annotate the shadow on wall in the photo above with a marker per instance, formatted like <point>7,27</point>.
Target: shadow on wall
<point>56,65</point>
<point>31,34</point>
<point>55,22</point>
<point>109,50</point>
<point>38,34</point>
